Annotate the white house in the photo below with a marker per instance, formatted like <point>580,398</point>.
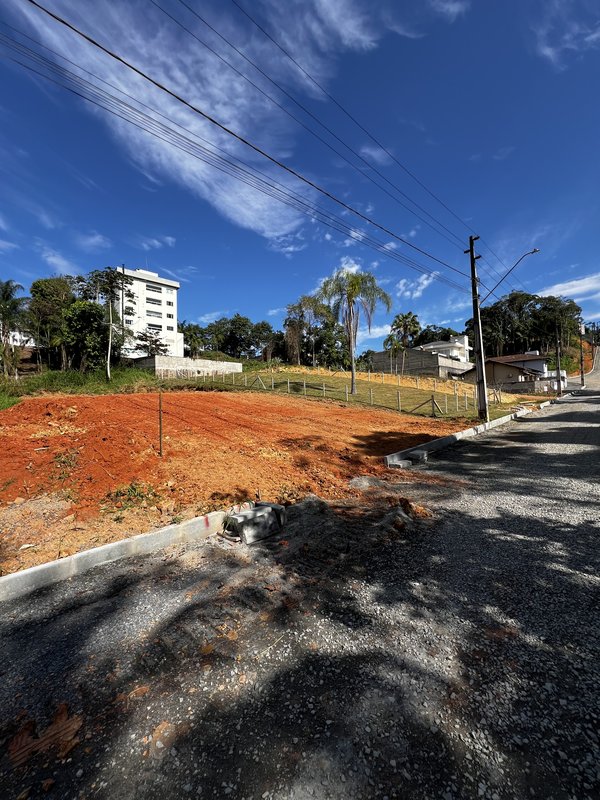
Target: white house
<point>154,308</point>
<point>457,348</point>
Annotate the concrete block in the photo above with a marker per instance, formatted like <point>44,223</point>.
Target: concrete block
<point>280,511</point>
<point>400,463</point>
<point>253,525</point>
<point>418,455</point>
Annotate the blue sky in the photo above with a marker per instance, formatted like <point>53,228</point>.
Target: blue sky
<point>490,105</point>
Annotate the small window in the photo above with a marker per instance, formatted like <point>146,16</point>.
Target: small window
<point>154,327</point>
<point>152,287</point>
<point>153,301</point>
<point>169,316</point>
<point>154,314</point>
<point>169,327</point>
<point>169,302</point>
<point>128,322</point>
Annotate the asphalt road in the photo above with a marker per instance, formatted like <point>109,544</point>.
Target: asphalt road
<point>361,654</point>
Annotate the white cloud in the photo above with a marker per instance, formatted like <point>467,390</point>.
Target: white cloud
<point>7,247</point>
<point>349,264</point>
<point>578,288</point>
<point>273,312</point>
<point>93,242</point>
<point>450,9</point>
<point>566,28</point>
<point>316,31</point>
<point>56,260</point>
<point>414,289</point>
<point>3,223</point>
<point>503,153</point>
<point>376,332</point>
<point>288,245</point>
<point>156,242</point>
<point>211,316</point>
<point>375,154</point>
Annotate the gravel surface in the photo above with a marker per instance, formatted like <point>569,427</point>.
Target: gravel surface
<point>370,650</point>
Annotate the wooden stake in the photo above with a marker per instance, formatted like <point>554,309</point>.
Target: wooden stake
<point>160,427</point>
<point>399,402</point>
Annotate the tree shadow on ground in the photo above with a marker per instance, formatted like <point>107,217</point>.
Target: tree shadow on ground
<point>359,654</point>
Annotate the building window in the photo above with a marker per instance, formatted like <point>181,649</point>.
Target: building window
<point>169,327</point>
<point>170,291</point>
<point>154,327</point>
<point>153,301</point>
<point>169,316</point>
<point>152,287</point>
<point>154,314</point>
<point>128,322</point>
<point>169,302</point>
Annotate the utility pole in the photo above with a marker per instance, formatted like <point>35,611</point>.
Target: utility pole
<point>558,378</point>
<point>482,401</point>
<point>581,367</point>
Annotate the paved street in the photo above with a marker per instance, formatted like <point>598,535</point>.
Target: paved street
<point>360,654</point>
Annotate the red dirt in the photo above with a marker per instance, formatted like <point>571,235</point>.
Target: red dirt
<point>218,448</point>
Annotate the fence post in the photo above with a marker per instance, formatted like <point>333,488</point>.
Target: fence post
<point>304,384</point>
<point>323,388</point>
<point>399,402</point>
<point>272,381</point>
<point>288,381</point>
<point>433,405</point>
<point>382,377</point>
<point>456,398</point>
<point>346,388</point>
<point>245,380</point>
<point>371,395</point>
<point>233,378</point>
<point>466,401</point>
<point>446,401</point>
<point>369,375</point>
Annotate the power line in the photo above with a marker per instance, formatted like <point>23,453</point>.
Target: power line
<point>313,116</point>
<point>368,133</point>
<point>148,124</point>
<point>238,137</point>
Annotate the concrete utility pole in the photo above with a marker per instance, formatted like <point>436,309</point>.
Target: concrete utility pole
<point>581,367</point>
<point>558,378</point>
<point>482,401</point>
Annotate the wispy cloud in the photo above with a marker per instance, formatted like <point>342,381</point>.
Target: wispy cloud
<point>375,154</point>
<point>566,28</point>
<point>579,288</point>
<point>274,312</point>
<point>211,316</point>
<point>185,274</point>
<point>288,245</point>
<point>56,260</point>
<point>376,332</point>
<point>503,152</point>
<point>450,9</point>
<point>92,242</point>
<point>3,223</point>
<point>7,247</point>
<point>414,289</point>
<point>156,242</point>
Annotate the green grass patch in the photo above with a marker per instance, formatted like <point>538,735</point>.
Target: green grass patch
<point>6,401</point>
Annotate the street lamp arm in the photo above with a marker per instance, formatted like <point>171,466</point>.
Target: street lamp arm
<point>506,274</point>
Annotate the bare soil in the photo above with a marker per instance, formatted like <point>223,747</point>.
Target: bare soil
<point>80,471</point>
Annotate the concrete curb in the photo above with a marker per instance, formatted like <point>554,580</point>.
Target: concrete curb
<point>28,580</point>
<point>394,459</point>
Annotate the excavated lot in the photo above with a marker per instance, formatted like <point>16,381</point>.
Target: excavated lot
<point>80,471</point>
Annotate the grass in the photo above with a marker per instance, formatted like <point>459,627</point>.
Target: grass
<point>375,390</point>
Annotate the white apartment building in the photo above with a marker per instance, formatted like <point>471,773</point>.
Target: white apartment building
<point>153,308</point>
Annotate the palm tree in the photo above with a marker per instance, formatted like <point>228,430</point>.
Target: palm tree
<point>347,293</point>
<point>394,345</point>
<point>405,327</point>
<point>11,308</point>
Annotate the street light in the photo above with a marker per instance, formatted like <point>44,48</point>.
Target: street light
<point>506,274</point>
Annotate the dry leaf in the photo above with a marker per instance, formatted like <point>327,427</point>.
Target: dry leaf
<point>232,635</point>
<point>60,733</point>
<point>242,679</point>
<point>24,794</point>
<point>164,737</point>
<point>140,691</point>
<point>206,649</point>
<point>48,784</point>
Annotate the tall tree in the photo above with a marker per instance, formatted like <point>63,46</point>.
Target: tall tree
<point>294,330</point>
<point>11,313</point>
<point>393,343</point>
<point>50,299</point>
<point>151,343</point>
<point>406,326</point>
<point>349,293</point>
<point>108,285</point>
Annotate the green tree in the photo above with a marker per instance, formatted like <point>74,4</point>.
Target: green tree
<point>109,285</point>
<point>393,343</point>
<point>406,327</point>
<point>151,343</point>
<point>194,338</point>
<point>263,340</point>
<point>11,319</point>
<point>294,331</point>
<point>50,298</point>
<point>434,333</point>
<point>349,293</point>
<point>85,334</point>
